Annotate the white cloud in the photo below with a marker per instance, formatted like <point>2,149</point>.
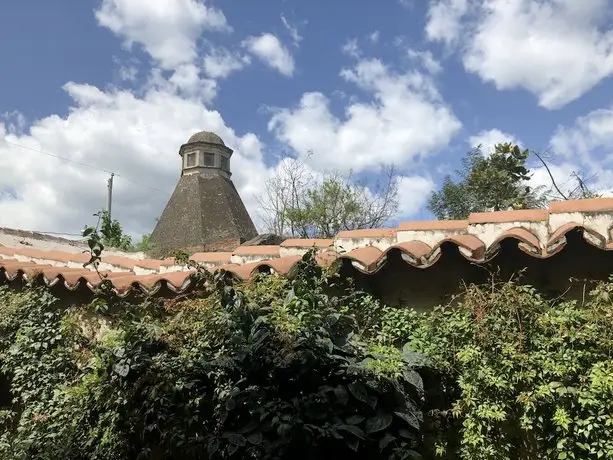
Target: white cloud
<point>220,63</point>
<point>15,120</point>
<point>374,36</point>
<point>562,174</point>
<point>588,145</point>
<point>589,132</point>
<point>556,49</point>
<point>444,19</point>
<point>186,80</point>
<point>413,194</point>
<point>271,51</point>
<point>405,119</point>
<point>292,30</point>
<point>168,30</point>
<point>138,138</point>
<point>487,139</point>
<point>426,59</point>
<point>351,48</point>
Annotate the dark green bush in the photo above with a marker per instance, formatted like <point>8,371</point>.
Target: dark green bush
<point>270,370</point>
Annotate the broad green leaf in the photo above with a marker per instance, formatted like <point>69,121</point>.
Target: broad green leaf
<point>378,423</point>
<point>353,429</point>
<point>410,418</point>
<point>359,392</point>
<point>237,439</point>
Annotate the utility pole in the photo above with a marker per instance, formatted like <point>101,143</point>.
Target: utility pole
<point>110,195</point>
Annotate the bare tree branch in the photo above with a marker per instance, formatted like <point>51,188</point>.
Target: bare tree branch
<point>553,181</point>
<point>303,204</point>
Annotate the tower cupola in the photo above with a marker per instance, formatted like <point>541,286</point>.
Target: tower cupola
<point>205,150</point>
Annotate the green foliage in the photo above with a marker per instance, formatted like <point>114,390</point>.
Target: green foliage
<point>271,369</point>
<point>532,378</point>
<point>334,206</point>
<point>298,203</point>
<point>143,245</point>
<point>108,233</point>
<point>487,183</point>
<point>112,233</point>
<point>307,367</point>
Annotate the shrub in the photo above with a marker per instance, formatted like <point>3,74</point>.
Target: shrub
<point>531,378</point>
<point>272,369</point>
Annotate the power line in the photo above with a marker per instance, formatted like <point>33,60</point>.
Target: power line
<point>84,165</point>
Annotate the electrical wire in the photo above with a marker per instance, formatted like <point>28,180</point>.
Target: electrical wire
<point>85,165</point>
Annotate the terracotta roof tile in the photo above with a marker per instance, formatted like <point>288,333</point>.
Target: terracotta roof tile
<point>212,257</point>
<point>174,280</point>
<point>557,241</point>
<point>241,271</point>
<point>368,258</point>
<point>496,217</point>
<point>282,265</point>
<point>536,238</point>
<point>562,231</point>
<point>432,225</point>
<point>13,267</point>
<point>129,263</point>
<point>264,250</point>
<point>307,243</point>
<point>585,205</point>
<point>6,251</point>
<point>59,256</point>
<point>327,258</point>
<point>530,242</point>
<point>416,249</point>
<point>469,243</point>
<point>168,262</point>
<point>368,233</point>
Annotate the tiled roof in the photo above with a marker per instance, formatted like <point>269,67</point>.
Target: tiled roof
<point>538,233</point>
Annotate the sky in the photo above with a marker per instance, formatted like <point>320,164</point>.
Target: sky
<point>116,86</point>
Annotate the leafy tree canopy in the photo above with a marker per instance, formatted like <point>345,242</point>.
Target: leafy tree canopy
<point>111,235</point>
<point>487,183</point>
<point>297,202</point>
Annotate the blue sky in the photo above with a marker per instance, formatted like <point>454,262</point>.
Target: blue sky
<point>121,84</point>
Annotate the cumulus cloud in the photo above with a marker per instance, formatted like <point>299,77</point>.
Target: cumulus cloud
<point>167,30</point>
<point>292,30</point>
<point>404,119</point>
<point>221,62</point>
<point>413,194</point>
<point>487,139</point>
<point>444,18</point>
<point>351,48</point>
<point>587,144</point>
<point>136,137</point>
<point>556,49</point>
<point>269,49</point>
<point>426,59</point>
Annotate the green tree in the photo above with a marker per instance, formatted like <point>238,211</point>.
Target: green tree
<point>487,183</point>
<point>144,245</point>
<point>299,203</point>
<point>112,233</point>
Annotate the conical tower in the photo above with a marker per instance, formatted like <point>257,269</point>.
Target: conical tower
<point>205,212</point>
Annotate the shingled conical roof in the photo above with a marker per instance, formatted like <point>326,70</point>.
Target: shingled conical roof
<point>205,212</point>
